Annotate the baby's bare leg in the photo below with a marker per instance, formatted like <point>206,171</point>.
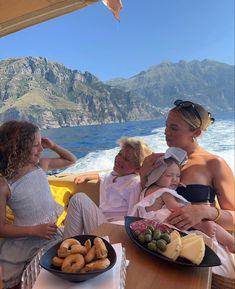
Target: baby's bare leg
<point>212,229</point>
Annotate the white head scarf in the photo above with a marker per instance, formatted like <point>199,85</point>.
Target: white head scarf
<point>173,152</point>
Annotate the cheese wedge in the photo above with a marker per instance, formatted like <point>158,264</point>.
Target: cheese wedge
<point>174,247</point>
<point>193,250</point>
<point>174,235</point>
<point>189,238</point>
<point>191,235</point>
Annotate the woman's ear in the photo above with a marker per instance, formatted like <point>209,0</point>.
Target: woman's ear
<point>197,132</point>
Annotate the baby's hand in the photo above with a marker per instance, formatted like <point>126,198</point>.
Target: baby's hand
<point>80,179</point>
<point>45,231</point>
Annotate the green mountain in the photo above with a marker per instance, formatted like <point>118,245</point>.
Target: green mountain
<point>51,95</point>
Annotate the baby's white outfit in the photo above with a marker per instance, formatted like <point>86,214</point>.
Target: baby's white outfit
<point>161,214</point>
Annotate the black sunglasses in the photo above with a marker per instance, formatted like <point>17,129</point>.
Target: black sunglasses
<point>187,104</point>
<point>190,104</point>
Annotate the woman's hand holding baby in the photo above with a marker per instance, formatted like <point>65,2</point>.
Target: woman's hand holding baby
<point>186,217</point>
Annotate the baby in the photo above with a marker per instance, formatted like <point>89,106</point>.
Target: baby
<point>159,198</point>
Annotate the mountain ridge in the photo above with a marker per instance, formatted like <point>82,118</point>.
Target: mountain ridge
<point>51,95</point>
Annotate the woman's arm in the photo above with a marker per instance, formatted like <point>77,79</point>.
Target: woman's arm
<point>223,182</point>
<point>44,231</point>
<point>66,158</point>
<point>187,217</point>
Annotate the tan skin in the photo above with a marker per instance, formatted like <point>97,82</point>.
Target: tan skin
<point>202,168</point>
<point>65,158</point>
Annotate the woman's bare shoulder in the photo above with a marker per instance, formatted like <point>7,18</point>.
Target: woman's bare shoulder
<point>216,160</point>
<point>218,166</point>
<point>212,159</point>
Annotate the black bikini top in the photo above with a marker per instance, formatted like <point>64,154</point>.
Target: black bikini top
<point>197,193</point>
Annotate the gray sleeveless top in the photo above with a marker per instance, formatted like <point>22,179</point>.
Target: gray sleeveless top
<point>31,200</point>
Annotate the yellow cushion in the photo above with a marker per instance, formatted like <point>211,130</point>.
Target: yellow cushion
<point>62,188</point>
<point>9,216</point>
<point>62,196</point>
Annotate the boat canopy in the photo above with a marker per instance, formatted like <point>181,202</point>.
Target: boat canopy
<point>19,14</point>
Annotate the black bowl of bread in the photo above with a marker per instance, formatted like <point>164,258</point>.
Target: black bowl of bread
<point>79,258</point>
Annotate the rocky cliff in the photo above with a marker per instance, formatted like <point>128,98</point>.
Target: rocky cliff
<point>210,83</point>
<point>52,95</point>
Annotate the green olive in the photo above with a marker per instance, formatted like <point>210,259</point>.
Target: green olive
<point>151,227</point>
<point>156,234</point>
<point>148,237</point>
<point>137,232</point>
<point>141,238</point>
<point>166,237</point>
<point>161,244</point>
<point>151,246</point>
<point>148,231</point>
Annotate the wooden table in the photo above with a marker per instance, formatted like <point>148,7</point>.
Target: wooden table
<point>148,272</point>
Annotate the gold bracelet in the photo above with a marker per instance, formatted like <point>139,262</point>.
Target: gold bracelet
<point>219,214</point>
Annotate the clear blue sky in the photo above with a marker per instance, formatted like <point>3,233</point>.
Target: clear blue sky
<point>150,31</point>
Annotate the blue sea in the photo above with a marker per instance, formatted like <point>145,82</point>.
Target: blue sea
<point>96,145</point>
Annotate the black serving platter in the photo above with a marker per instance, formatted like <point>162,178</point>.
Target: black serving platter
<point>45,261</point>
<point>210,259</point>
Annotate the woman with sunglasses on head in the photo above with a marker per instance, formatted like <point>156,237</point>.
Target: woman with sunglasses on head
<point>205,176</point>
